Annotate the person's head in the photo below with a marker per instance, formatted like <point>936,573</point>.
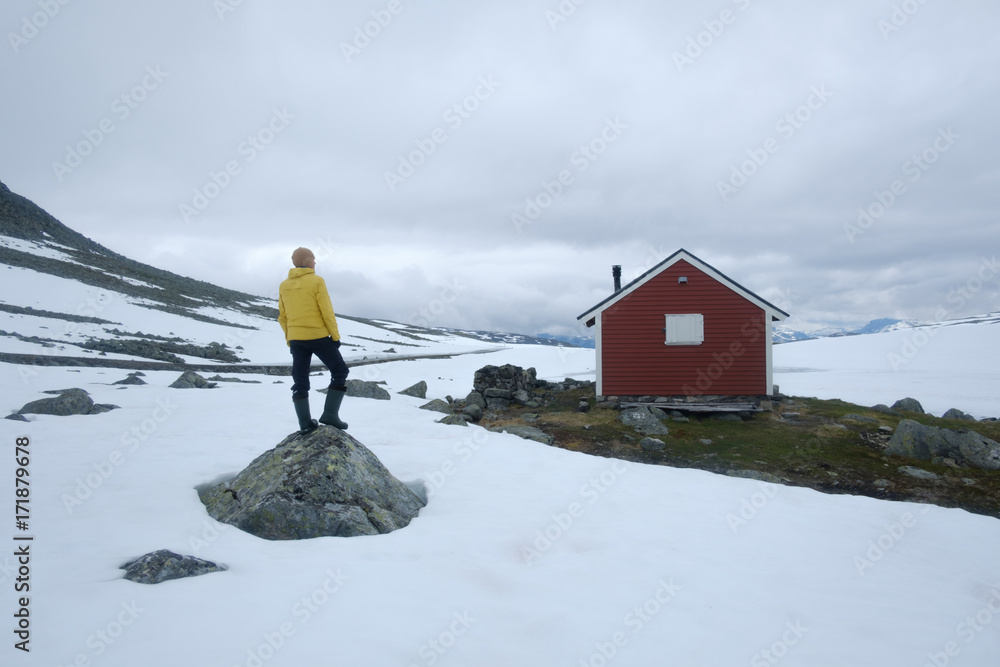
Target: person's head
<point>304,258</point>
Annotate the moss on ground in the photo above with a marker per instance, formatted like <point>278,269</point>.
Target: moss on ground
<point>828,445</point>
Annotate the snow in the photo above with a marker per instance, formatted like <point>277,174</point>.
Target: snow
<point>525,554</point>
<point>945,366</point>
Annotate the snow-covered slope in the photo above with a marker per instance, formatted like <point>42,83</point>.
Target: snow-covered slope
<point>951,365</point>
<point>525,554</point>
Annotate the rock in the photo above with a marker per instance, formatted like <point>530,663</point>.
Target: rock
<point>191,380</point>
<point>163,565</point>
<point>366,389</point>
<point>529,417</point>
<point>475,398</point>
<point>16,417</point>
<point>652,444</point>
<point>658,413</point>
<point>680,420</point>
<point>881,484</point>
<point>584,406</point>
<point>507,377</point>
<point>729,417</point>
<point>526,432</point>
<point>473,412</point>
<point>520,396</point>
<point>437,405</point>
<point>324,483</point>
<point>908,405</point>
<point>454,420</point>
<point>219,378</point>
<point>886,429</point>
<point>133,378</point>
<point>642,421</point>
<point>915,440</point>
<point>68,402</point>
<point>757,475</point>
<point>419,390</point>
<point>955,413</point>
<point>885,409</point>
<point>917,473</point>
<point>493,392</point>
<point>706,441</point>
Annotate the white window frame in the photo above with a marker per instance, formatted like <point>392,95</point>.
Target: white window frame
<point>684,329</point>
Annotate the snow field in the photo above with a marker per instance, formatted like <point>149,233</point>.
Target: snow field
<point>525,554</point>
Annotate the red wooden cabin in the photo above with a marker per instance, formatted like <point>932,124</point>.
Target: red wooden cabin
<point>683,329</point>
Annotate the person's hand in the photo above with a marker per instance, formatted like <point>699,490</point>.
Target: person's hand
<point>336,344</point>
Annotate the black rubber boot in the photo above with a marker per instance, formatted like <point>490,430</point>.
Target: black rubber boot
<point>306,423</point>
<point>331,416</point>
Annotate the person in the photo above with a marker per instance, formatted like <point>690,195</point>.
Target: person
<point>310,325</point>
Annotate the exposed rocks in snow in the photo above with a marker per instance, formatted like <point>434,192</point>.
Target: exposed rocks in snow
<point>908,405</point>
<point>164,565</point>
<point>437,405</point>
<point>133,378</point>
<point>324,483</point>
<point>455,420</point>
<point>366,389</point>
<point>68,402</point>
<point>219,378</point>
<point>915,440</point>
<point>191,380</point>
<point>419,390</point>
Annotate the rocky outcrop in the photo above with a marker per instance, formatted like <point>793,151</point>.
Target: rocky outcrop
<point>68,402</point>
<point>366,389</point>
<point>324,483</point>
<point>191,380</point>
<point>164,565</point>
<point>419,390</point>
<point>908,405</point>
<point>915,440</point>
<point>437,405</point>
<point>955,413</point>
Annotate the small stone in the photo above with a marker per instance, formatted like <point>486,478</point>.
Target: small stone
<point>882,484</point>
<point>918,473</point>
<point>706,441</point>
<point>191,380</point>
<point>365,389</point>
<point>454,420</point>
<point>584,406</point>
<point>163,565</point>
<point>652,444</point>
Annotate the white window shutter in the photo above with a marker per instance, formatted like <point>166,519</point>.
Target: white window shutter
<point>685,329</point>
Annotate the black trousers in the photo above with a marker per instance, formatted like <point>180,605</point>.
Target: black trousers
<point>327,351</point>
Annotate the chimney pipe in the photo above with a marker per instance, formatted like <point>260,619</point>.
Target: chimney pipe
<point>616,273</point>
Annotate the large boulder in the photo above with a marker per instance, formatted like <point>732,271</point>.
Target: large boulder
<point>164,565</point>
<point>908,405</point>
<point>915,440</point>
<point>324,483</point>
<point>68,402</point>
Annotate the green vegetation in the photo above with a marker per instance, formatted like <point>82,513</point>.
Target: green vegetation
<point>828,445</point>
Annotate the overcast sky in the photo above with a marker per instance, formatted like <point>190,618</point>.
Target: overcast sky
<point>483,164</point>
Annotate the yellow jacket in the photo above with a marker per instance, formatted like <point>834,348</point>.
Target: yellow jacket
<point>304,308</point>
